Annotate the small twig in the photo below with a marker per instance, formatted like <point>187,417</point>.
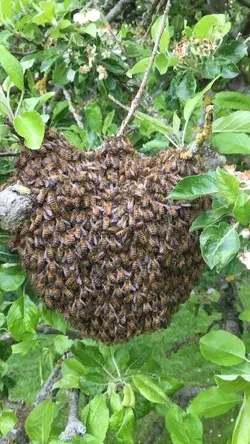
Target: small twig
<point>117,10</point>
<point>189,340</point>
<point>72,109</point>
<point>74,426</point>
<point>43,329</point>
<point>9,154</point>
<point>136,100</point>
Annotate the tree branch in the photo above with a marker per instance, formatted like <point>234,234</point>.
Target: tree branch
<point>228,300</point>
<point>74,426</point>
<point>117,10</point>
<point>8,154</point>
<point>43,329</point>
<point>15,206</point>
<point>136,100</point>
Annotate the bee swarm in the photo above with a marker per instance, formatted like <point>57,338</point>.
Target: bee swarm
<point>103,245</point>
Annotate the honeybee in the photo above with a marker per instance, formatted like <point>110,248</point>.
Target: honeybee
<point>142,237</point>
<point>96,324</point>
<point>52,267</point>
<point>108,208</point>
<point>69,257</point>
<point>41,196</point>
<point>69,294</point>
<point>146,308</point>
<point>112,243</point>
<point>49,302</point>
<point>156,322</point>
<point>98,257</point>
<point>128,299</point>
<point>66,271</point>
<point>50,252</point>
<point>45,231</point>
<point>152,228</point>
<point>69,240</point>
<point>147,324</point>
<point>122,233</point>
<point>132,325</point>
<point>133,252</point>
<point>33,261</point>
<point>112,278</point>
<point>138,299</point>
<point>120,275</point>
<point>105,223</point>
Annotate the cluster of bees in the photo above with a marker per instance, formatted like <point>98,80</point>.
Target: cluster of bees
<point>104,246</point>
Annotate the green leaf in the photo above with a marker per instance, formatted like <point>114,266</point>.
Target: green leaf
<point>204,27</point>
<point>232,143</point>
<point>6,11</point>
<point>186,87</point>
<point>122,424</point>
<point>115,402</point>
<point>194,101</point>
<point>55,319</point>
<point>36,102</point>
<point>3,368</point>
<point>7,422</point>
<point>183,428</point>
<point>47,13</point>
<point>166,35</point>
<point>228,185</point>
<point>62,343</point>
<point>232,100</point>
<point>223,348</point>
<point>233,51</point>
<point>88,355</point>
<point>93,383</point>
<point>30,126</point>
<point>70,381</point>
<point>241,433</point>
<point>139,67</point>
<point>38,423</point>
<point>245,315</point>
<point>237,122</point>
<point>150,389</point>
<point>213,402</point>
<point>12,67</point>
<point>93,115</point>
<point>211,69</point>
<point>23,318</point>
<point>73,366</point>
<point>208,218</point>
<point>90,29</point>
<point>192,187</point>
<point>219,244</point>
<point>96,417</point>
<point>107,122</point>
<point>229,71</point>
<point>242,208</point>
<point>161,63</point>
<point>11,277</point>
<point>129,396</point>
<point>233,383</point>
<point>85,439</point>
<point>5,349</point>
<point>154,123</point>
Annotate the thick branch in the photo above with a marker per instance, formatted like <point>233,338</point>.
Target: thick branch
<point>15,206</point>
<point>137,98</point>
<point>74,426</point>
<point>117,10</point>
<point>228,301</point>
<point>43,329</point>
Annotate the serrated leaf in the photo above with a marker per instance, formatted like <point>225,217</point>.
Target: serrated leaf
<point>128,396</point>
<point>210,217</point>
<point>122,424</point>
<point>219,244</point>
<point>139,67</point>
<point>11,277</point>
<point>241,433</point>
<point>213,402</point>
<point>7,422</point>
<point>228,185</point>
<point>88,355</point>
<point>93,116</point>
<point>55,319</point>
<point>192,187</point>
<point>223,348</point>
<point>39,421</point>
<point>232,100</point>
<point>232,143</point>
<point>150,389</point>
<point>183,428</point>
<point>96,417</point>
<point>12,67</point>
<point>30,126</point>
<point>237,122</point>
<point>241,209</point>
<point>22,318</point>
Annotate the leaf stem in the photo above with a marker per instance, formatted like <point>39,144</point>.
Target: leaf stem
<point>19,104</point>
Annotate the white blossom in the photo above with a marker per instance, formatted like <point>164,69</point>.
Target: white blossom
<point>93,15</point>
<point>245,233</point>
<point>102,72</point>
<point>245,259</point>
<point>80,18</point>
